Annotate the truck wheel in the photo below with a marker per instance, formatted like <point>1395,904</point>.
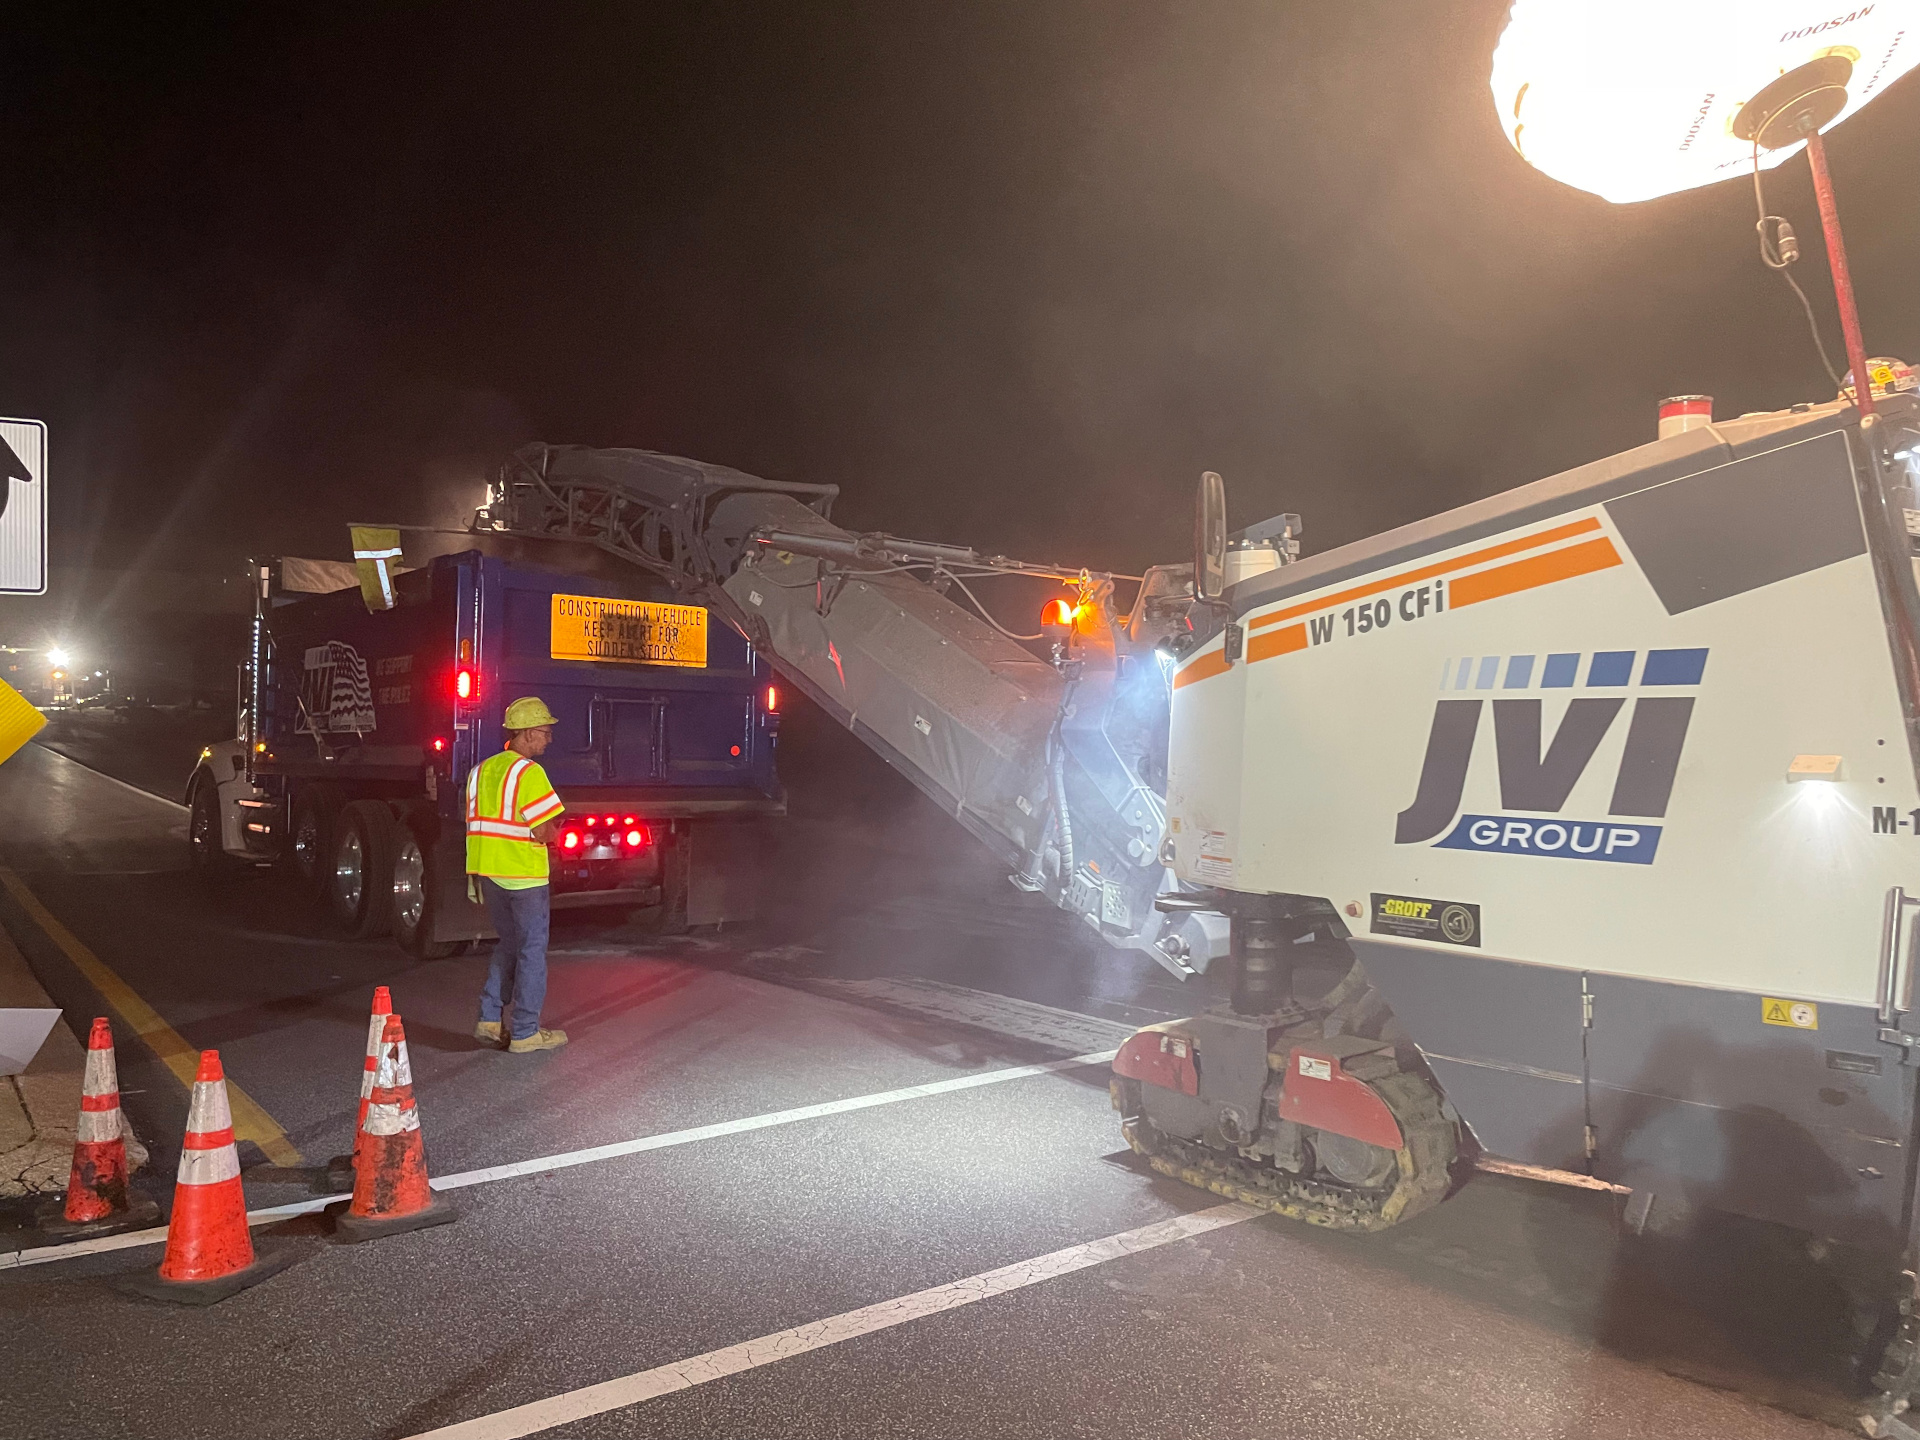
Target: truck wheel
<point>415,890</point>
<point>359,883</point>
<point>204,850</point>
<point>316,816</point>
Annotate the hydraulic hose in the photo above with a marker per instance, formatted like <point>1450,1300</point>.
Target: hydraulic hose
<point>1060,815</point>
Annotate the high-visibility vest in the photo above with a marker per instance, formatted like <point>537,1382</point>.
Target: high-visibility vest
<point>507,795</point>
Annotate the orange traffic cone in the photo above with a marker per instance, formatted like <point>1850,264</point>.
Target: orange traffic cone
<point>390,1189</point>
<point>209,1248</point>
<point>98,1201</point>
<point>341,1167</point>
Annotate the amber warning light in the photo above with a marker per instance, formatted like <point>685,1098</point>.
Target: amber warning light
<point>1057,613</point>
<point>773,699</point>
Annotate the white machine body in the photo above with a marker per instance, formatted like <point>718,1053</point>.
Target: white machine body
<point>1612,781</point>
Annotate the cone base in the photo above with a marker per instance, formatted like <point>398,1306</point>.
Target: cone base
<point>208,1292</point>
<point>352,1229</point>
<point>50,1219</point>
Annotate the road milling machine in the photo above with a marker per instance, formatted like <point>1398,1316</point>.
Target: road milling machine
<point>1569,831</point>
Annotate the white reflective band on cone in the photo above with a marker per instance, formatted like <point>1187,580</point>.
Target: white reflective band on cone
<point>376,1028</point>
<point>209,1167</point>
<point>98,1125</point>
<point>394,1069</point>
<point>100,1078</point>
<point>209,1109</point>
<point>391,1119</point>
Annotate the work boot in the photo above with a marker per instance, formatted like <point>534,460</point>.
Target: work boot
<point>490,1032</point>
<point>539,1040</point>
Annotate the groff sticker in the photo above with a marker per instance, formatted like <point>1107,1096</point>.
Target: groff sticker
<point>1414,917</point>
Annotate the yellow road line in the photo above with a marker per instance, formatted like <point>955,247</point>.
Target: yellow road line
<point>250,1121</point>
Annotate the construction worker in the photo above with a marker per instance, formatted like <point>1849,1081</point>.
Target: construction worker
<point>511,814</point>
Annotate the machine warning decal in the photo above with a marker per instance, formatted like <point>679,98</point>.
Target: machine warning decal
<point>1216,856</point>
<point>1408,917</point>
<point>628,632</point>
<point>1794,1014</point>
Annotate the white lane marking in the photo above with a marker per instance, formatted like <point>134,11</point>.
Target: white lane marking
<point>111,779</point>
<point>647,1385</point>
<point>981,1009</point>
<point>762,1122</point>
<point>45,1254</point>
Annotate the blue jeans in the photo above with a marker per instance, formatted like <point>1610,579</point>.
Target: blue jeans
<point>519,965</point>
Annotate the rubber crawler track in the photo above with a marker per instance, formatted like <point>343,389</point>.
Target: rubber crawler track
<point>1423,1175</point>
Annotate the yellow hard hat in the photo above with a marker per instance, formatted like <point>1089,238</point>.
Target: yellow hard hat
<point>527,712</point>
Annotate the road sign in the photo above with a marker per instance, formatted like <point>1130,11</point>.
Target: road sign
<point>23,507</point>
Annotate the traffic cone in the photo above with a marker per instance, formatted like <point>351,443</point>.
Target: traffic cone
<point>390,1189</point>
<point>98,1201</point>
<point>209,1248</point>
<point>340,1168</point>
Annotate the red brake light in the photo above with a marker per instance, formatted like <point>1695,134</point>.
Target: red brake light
<point>570,840</point>
<point>464,683</point>
<point>439,743</point>
<point>636,837</point>
<point>631,820</point>
<point>592,821</point>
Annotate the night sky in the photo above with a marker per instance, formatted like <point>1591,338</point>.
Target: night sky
<point>1009,274</point>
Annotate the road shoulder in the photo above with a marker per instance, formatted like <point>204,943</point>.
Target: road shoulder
<point>40,1107</point>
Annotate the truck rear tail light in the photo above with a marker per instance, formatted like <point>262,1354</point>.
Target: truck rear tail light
<point>636,837</point>
<point>465,683</point>
<point>570,840</point>
<point>591,820</point>
<point>439,744</point>
<point>773,699</point>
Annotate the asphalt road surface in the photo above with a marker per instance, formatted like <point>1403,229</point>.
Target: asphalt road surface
<point>949,1240</point>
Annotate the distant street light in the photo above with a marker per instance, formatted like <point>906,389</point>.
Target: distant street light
<point>1632,99</point>
<point>58,658</point>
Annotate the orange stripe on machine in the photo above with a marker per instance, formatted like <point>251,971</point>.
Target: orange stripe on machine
<point>1533,572</point>
<point>1428,572</point>
<point>1265,642</point>
<point>1279,642</point>
<point>1213,662</point>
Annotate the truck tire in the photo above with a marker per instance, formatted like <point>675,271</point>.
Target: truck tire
<point>360,880</point>
<point>310,832</point>
<point>205,852</point>
<point>416,896</point>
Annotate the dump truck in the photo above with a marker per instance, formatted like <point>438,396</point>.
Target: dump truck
<point>358,728</point>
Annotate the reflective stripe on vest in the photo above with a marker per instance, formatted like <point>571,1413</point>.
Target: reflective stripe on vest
<point>498,843</point>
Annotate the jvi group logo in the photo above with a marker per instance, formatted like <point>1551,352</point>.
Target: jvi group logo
<point>1537,782</point>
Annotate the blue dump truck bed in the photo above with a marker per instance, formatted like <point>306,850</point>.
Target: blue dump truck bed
<point>364,726</point>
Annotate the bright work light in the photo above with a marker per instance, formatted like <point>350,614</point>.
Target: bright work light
<point>1631,99</point>
<point>58,658</point>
